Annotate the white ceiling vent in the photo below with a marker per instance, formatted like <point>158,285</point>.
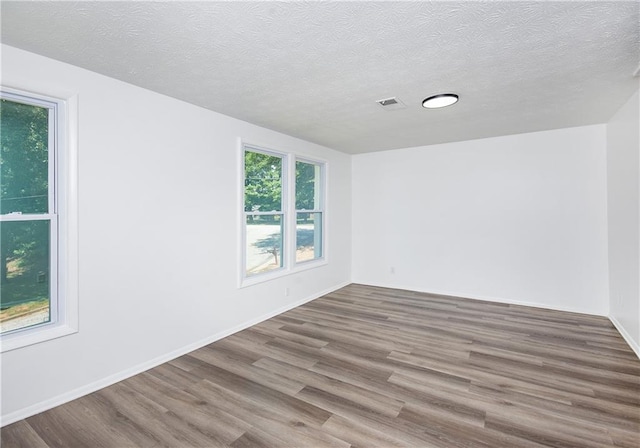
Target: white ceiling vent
<point>391,104</point>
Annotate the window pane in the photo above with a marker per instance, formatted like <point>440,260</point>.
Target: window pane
<point>24,296</point>
<point>24,173</point>
<point>264,243</point>
<point>307,186</point>
<point>308,236</point>
<point>262,182</point>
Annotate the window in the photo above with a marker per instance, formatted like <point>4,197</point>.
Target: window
<point>33,278</point>
<point>309,210</point>
<point>283,213</point>
<point>264,211</point>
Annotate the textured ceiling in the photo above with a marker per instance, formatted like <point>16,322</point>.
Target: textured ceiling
<point>315,69</point>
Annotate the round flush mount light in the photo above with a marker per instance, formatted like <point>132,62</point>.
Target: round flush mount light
<point>441,100</point>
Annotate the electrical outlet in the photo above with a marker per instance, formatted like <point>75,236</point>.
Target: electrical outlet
<point>392,270</point>
<point>286,292</point>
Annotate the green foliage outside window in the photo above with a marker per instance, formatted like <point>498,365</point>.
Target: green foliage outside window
<point>262,182</point>
<point>305,186</point>
<point>24,158</point>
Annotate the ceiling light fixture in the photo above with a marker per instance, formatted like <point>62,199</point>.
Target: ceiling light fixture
<point>441,100</point>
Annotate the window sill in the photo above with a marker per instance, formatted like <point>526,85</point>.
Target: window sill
<point>268,276</point>
<point>25,338</point>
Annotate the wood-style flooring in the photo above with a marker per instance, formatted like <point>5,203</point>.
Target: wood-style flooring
<point>373,367</point>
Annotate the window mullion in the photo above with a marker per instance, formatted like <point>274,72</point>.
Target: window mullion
<point>26,217</point>
<point>274,212</point>
<point>316,210</point>
<point>291,206</point>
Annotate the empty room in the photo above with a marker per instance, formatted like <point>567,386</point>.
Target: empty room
<point>320,223</point>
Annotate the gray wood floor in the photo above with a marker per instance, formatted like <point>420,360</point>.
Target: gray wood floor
<point>370,367</point>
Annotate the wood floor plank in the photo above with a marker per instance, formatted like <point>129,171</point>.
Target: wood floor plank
<point>63,426</point>
<point>218,427</point>
<point>358,434</point>
<point>461,433</point>
<point>363,416</point>
<point>255,438</point>
<point>272,400</point>
<point>375,367</point>
<point>547,433</point>
<point>362,397</point>
<point>201,363</point>
<point>157,421</point>
<point>299,425</point>
<point>22,435</point>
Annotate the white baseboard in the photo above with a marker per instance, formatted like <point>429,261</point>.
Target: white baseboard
<point>485,298</point>
<point>123,375</point>
<point>626,336</point>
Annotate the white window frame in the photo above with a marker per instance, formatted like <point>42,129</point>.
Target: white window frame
<point>62,214</point>
<point>289,265</point>
<point>319,203</point>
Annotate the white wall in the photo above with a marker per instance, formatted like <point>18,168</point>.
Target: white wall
<point>623,174</point>
<point>519,219</point>
<point>159,221</point>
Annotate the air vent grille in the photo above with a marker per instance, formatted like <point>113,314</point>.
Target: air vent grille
<point>393,103</point>
<point>388,102</point>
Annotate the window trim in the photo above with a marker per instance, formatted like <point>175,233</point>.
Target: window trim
<point>63,216</point>
<point>290,266</point>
